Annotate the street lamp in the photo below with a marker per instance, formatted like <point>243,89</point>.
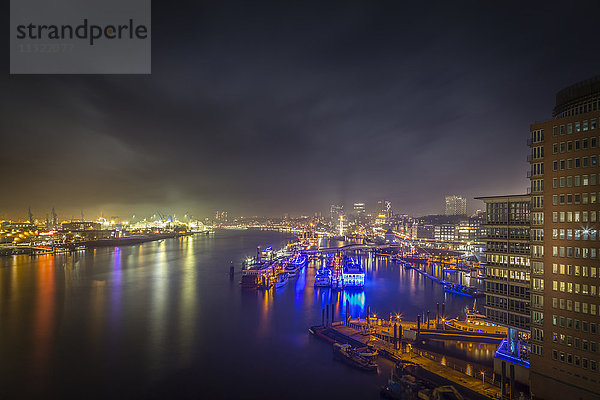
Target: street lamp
<point>483,377</point>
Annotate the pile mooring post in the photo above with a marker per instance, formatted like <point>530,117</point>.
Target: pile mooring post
<point>400,332</point>
<point>437,315</point>
<point>347,312</point>
<point>331,313</point>
<point>443,316</point>
<point>327,315</point>
<point>418,326</point>
<point>368,316</point>
<point>427,319</point>
<point>323,316</point>
<point>395,336</point>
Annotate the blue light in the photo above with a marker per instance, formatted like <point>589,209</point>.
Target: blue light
<point>357,301</point>
<point>508,357</point>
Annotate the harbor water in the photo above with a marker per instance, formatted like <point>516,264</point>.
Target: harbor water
<point>164,320</point>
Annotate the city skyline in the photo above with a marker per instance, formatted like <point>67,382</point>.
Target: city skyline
<point>342,105</point>
<point>356,208</point>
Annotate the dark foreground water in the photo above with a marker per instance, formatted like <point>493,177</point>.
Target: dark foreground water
<point>163,320</point>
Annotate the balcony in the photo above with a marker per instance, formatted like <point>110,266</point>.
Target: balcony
<point>520,354</point>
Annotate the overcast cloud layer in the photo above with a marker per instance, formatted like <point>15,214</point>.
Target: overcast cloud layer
<point>265,109</point>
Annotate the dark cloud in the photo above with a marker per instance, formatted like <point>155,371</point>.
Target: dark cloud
<point>271,108</point>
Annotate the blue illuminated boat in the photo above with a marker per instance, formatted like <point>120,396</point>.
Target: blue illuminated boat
<point>353,275</point>
<point>300,260</point>
<point>323,277</point>
<point>281,280</point>
<point>461,290</point>
<point>296,264</point>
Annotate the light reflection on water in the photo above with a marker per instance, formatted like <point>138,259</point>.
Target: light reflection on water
<point>163,317</point>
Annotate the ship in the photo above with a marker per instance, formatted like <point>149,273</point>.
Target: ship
<point>296,264</point>
<point>462,290</point>
<point>350,356</point>
<point>281,280</point>
<point>323,277</point>
<point>353,275</point>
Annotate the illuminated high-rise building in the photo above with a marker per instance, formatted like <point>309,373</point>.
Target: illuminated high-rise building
<point>507,285</point>
<point>455,205</point>
<point>384,207</point>
<point>360,209</point>
<point>335,212</point>
<point>565,194</point>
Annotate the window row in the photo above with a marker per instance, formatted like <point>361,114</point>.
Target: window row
<point>570,323</point>
<point>537,136</point>
<point>515,261</point>
<point>575,270</point>
<point>570,163</point>
<point>537,153</point>
<point>574,252</point>
<point>574,306</point>
<point>575,342</point>
<point>575,145</point>
<point>574,216</point>
<point>575,360</point>
<point>577,180</point>
<point>537,185</point>
<point>575,127</point>
<point>575,288</point>
<point>575,234</point>
<point>575,198</point>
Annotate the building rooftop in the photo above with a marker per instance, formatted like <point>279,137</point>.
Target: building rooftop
<point>503,196</point>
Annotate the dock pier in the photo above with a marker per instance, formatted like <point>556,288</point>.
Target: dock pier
<point>400,343</point>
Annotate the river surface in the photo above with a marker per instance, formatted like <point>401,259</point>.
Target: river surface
<point>164,320</point>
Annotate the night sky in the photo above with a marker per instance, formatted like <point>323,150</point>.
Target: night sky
<point>265,109</point>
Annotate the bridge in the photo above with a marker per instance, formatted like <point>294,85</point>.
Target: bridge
<point>353,247</point>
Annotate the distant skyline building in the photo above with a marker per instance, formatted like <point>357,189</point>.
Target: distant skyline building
<point>360,209</point>
<point>335,212</point>
<point>565,185</point>
<point>221,216</point>
<point>455,205</point>
<point>384,207</point>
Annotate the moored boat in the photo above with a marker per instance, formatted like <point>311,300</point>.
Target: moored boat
<point>462,290</point>
<point>281,279</point>
<point>353,275</point>
<point>323,277</point>
<point>296,264</point>
<point>291,270</point>
<point>350,356</point>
